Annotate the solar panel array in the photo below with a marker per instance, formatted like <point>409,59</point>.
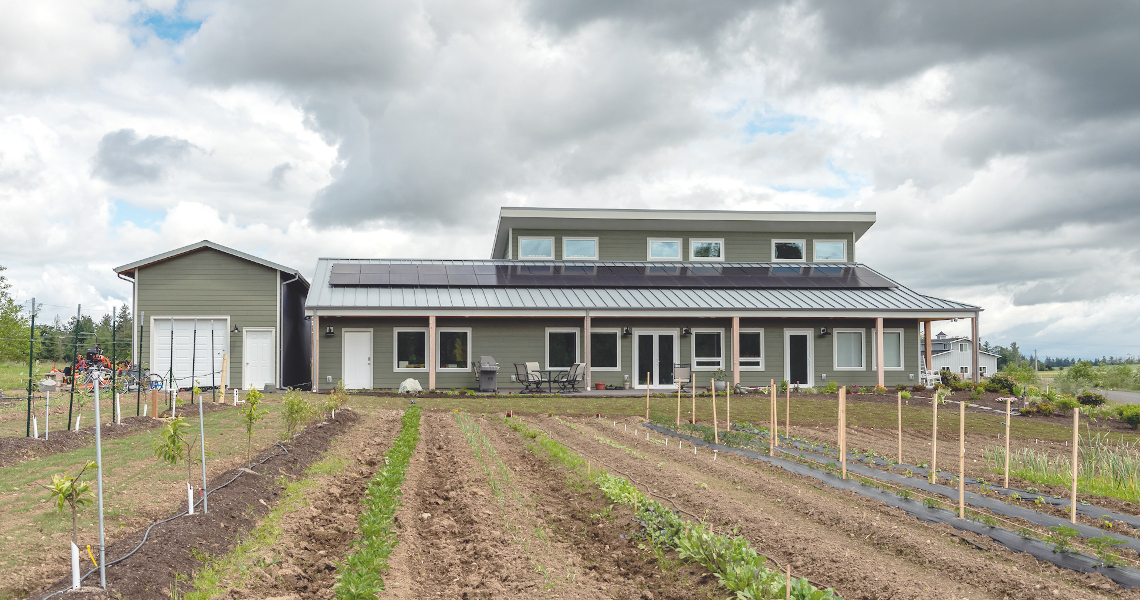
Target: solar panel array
<point>607,275</point>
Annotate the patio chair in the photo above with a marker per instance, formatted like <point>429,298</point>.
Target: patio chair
<point>574,377</point>
<point>683,373</point>
<point>534,374</point>
<point>523,375</point>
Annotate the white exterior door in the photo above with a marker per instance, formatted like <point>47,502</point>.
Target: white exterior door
<point>258,354</point>
<point>191,347</point>
<point>357,351</point>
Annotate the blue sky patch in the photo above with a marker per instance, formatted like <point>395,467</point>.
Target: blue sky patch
<point>772,124</point>
<point>122,212</point>
<point>172,27</point>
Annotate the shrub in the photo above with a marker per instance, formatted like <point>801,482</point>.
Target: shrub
<point>831,388</point>
<point>1021,373</point>
<point>1129,413</point>
<point>297,411</point>
<point>1066,404</point>
<point>918,388</point>
<point>1001,383</point>
<point>1092,399</point>
<point>960,386</point>
<point>905,395</point>
<point>949,377</point>
<point>900,387</point>
<point>1041,407</point>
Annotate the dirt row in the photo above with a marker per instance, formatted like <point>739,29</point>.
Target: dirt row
<point>861,547</point>
<point>173,549</point>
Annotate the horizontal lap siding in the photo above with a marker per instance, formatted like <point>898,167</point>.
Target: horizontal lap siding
<point>739,246</point>
<point>207,282</point>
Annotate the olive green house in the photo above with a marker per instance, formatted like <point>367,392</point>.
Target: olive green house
<point>206,300</point>
<point>748,297</point>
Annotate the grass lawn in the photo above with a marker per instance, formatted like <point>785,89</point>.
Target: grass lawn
<point>14,375</point>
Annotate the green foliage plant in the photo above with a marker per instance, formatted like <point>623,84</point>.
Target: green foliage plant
<point>250,415</point>
<point>831,388</point>
<point>72,492</point>
<point>1104,547</point>
<point>905,395</point>
<point>174,445</point>
<point>1061,538</point>
<point>1130,414</point>
<point>297,411</point>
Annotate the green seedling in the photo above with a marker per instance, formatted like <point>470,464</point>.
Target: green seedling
<point>1104,546</point>
<point>1062,538</point>
<point>73,492</point>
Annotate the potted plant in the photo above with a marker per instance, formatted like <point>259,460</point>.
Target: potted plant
<point>720,379</point>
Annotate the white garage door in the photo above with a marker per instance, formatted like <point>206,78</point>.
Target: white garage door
<point>190,345</point>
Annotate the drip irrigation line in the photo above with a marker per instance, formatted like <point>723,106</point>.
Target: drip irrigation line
<point>146,534</point>
<point>650,492</point>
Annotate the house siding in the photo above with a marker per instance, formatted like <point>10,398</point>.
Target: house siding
<point>955,359</point>
<point>739,246</point>
<point>208,282</point>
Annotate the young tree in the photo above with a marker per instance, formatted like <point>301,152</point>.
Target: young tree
<point>174,444</point>
<point>73,492</point>
<point>250,416</point>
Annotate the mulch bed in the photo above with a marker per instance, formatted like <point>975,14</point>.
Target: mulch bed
<point>234,510</point>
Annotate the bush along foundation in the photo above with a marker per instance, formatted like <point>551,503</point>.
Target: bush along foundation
<point>360,574</point>
<point>736,564</point>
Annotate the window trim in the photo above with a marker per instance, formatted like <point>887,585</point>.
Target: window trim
<point>814,254</point>
<point>963,370</point>
<point>649,249</point>
<point>693,349</point>
<point>902,349</point>
<point>803,247</point>
<point>438,347</point>
<point>694,258</point>
<point>396,331</point>
<point>759,330</point>
<point>962,347</point>
<point>577,331</point>
<point>862,348</point>
<point>597,247</point>
<point>982,370</point>
<point>536,237</point>
<point>617,334</point>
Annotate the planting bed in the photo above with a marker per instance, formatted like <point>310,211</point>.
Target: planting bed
<point>858,545</point>
<point>171,548</point>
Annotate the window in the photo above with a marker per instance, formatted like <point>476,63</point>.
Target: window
<point>830,250</point>
<point>849,349</point>
<point>892,349</point>
<point>964,370</point>
<point>708,350</point>
<point>787,250</point>
<point>982,370</point>
<point>410,349</point>
<point>946,368</point>
<point>751,349</point>
<point>579,248</point>
<point>664,248</point>
<point>561,348</point>
<point>454,349</point>
<point>536,247</point>
<point>605,350</point>
<point>961,347</point>
<point>706,249</point>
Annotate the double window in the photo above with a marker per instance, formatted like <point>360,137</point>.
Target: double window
<point>561,347</point>
<point>751,349</point>
<point>410,350</point>
<point>454,347</point>
<point>849,350</point>
<point>706,250</point>
<point>708,349</point>
<point>788,250</point>
<point>605,350</point>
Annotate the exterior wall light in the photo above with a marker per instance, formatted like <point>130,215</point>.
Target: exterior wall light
<point>329,332</point>
<point>235,330</point>
<point>686,331</point>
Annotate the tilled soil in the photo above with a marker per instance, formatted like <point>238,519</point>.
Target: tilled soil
<point>169,551</point>
<point>317,537</point>
<point>537,539</point>
<point>861,547</point>
<point>15,450</point>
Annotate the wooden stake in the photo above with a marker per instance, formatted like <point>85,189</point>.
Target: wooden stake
<point>962,460</point>
<point>679,402</point>
<point>647,381</point>
<point>716,435</point>
<point>728,407</point>
<point>788,417</point>
<point>1073,504</point>
<point>694,391</point>
<point>843,429</point>
<point>934,441</point>
<point>900,427</point>
<point>1007,415</point>
<point>772,418</point>
<point>788,585</point>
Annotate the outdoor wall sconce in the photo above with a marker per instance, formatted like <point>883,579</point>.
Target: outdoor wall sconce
<point>824,376</point>
<point>686,331</point>
<point>823,332</point>
<point>235,330</point>
<point>627,331</point>
<point>329,331</point>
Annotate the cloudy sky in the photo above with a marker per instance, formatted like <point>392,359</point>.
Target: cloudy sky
<point>999,142</point>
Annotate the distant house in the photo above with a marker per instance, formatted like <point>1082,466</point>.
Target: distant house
<point>205,299</point>
<point>955,354</point>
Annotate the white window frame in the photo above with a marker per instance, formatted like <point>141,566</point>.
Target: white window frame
<point>862,349</point>
<point>875,351</point>
<point>396,331</point>
<point>962,347</point>
<point>963,370</point>
<point>536,237</point>
<point>649,249</point>
<point>801,242</point>
<point>763,353</point>
<point>694,241</point>
<point>810,333</point>
<point>577,331</point>
<point>617,334</point>
<point>597,247</point>
<point>814,256</point>
<point>982,370</point>
<point>470,349</point>
<point>693,349</point>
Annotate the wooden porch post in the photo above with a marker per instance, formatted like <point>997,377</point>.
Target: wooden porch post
<point>431,357</point>
<point>586,345</point>
<point>735,351</point>
<point>929,355</point>
<point>316,358</point>
<point>879,350</point>
<point>974,347</point>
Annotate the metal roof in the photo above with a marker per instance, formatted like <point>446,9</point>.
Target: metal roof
<point>212,246</point>
<point>329,300</point>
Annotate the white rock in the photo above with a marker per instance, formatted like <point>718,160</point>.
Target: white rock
<point>410,386</point>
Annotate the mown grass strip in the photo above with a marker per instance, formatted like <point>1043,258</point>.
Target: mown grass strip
<point>732,559</point>
<point>360,575</point>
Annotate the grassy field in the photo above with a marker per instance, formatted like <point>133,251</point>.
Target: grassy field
<point>14,375</point>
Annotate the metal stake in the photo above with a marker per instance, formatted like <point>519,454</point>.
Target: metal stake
<point>99,474</point>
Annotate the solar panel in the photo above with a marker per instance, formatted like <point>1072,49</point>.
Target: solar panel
<point>608,275</point>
